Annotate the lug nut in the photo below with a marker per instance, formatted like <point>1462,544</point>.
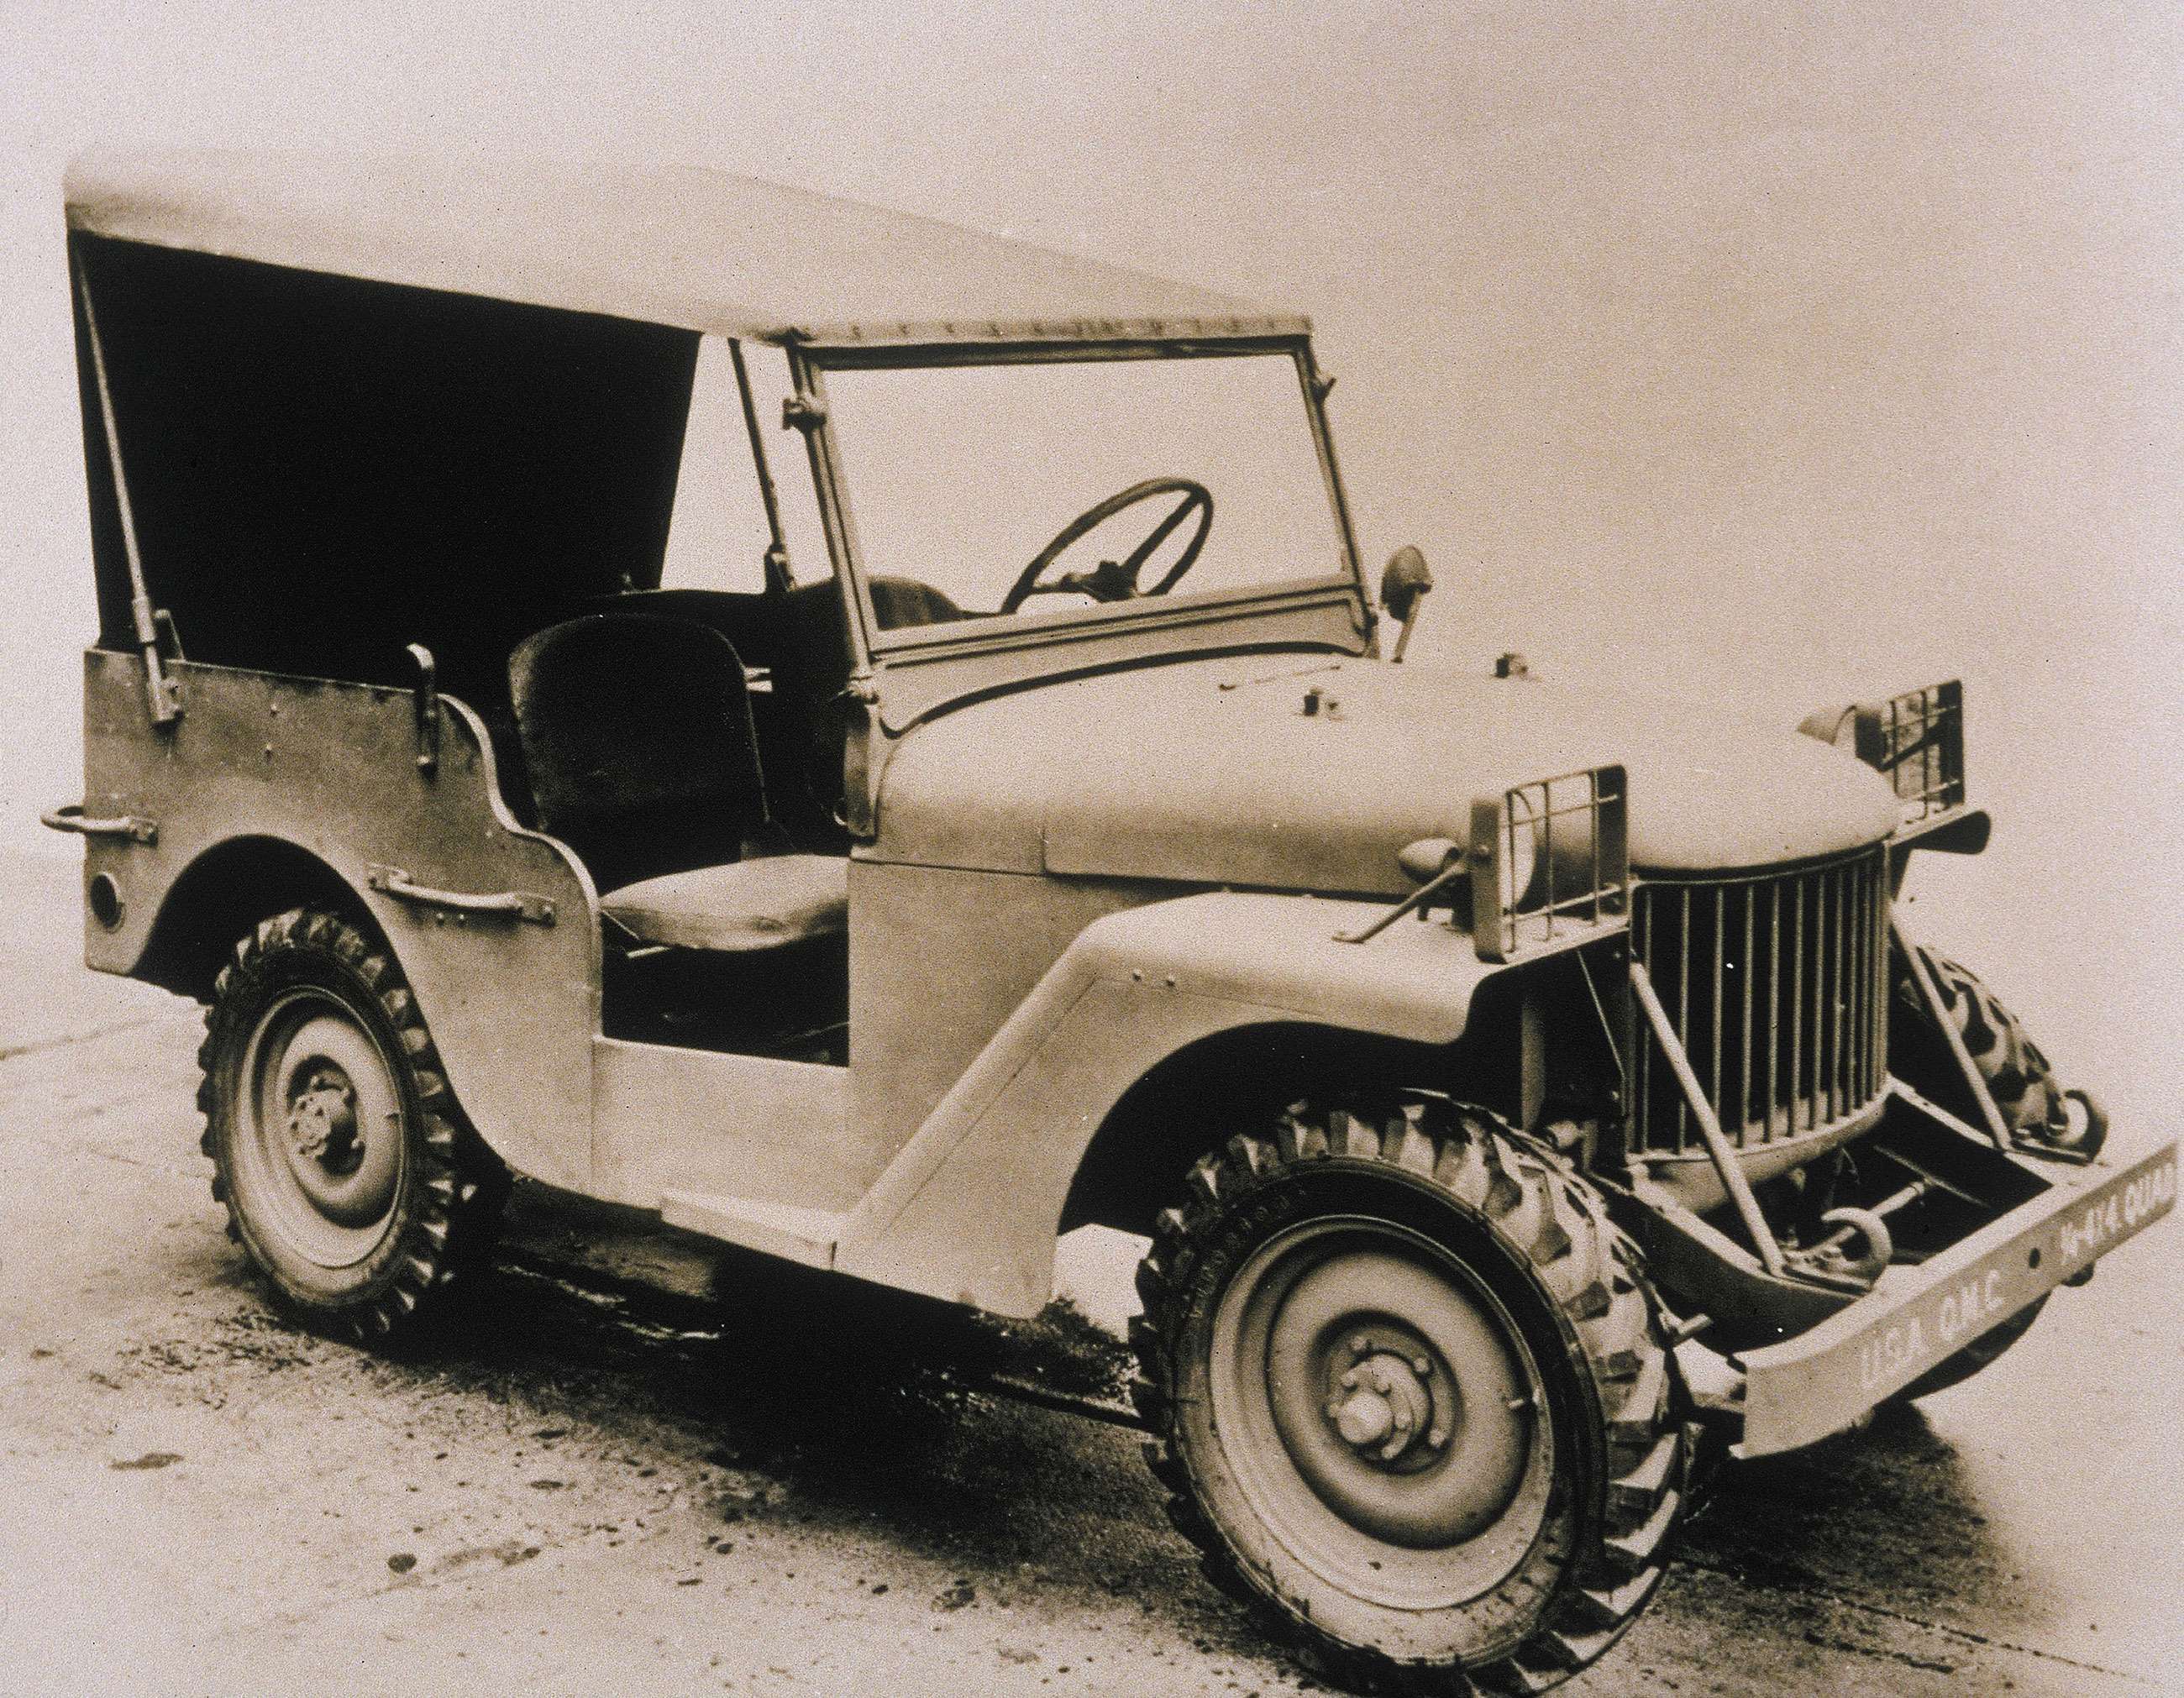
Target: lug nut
<point>1420,1365</point>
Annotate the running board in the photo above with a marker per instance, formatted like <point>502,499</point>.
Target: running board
<point>807,1236</point>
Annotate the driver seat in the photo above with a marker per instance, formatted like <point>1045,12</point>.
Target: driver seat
<point>643,759</point>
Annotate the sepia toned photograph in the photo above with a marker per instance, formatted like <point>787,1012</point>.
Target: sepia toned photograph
<point>1186,850</point>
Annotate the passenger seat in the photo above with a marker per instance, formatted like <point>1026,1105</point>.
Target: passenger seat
<point>636,731</point>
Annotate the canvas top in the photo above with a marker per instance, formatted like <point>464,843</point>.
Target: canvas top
<point>696,248</point>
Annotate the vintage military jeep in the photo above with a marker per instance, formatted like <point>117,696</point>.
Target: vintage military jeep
<point>1512,1078</point>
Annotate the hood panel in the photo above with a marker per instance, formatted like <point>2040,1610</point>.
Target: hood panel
<point>1209,772</point>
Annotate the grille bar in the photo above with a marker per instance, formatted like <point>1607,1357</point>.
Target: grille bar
<point>1776,985</point>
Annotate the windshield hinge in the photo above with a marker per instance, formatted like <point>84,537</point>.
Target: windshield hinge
<point>801,412</point>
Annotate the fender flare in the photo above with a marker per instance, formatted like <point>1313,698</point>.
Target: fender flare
<point>970,1208</point>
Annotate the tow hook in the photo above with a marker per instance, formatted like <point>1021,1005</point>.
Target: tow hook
<point>2075,1131</point>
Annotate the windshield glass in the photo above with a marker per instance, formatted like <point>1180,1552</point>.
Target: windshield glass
<point>1039,488</point>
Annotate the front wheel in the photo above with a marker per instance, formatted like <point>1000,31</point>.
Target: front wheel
<point>2035,1108</point>
<point>336,1146</point>
<point>1411,1399</point>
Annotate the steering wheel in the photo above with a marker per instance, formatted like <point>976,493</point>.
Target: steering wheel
<point>1111,581</point>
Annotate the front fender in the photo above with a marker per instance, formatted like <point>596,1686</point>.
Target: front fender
<point>970,1208</point>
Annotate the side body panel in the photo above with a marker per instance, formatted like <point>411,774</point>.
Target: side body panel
<point>750,1127</point>
<point>969,1209</point>
<point>940,959</point>
<point>332,768</point>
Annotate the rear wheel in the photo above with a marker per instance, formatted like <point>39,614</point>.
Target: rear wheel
<point>336,1146</point>
<point>1411,1397</point>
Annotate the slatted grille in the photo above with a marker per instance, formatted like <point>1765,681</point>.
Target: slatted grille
<point>1778,985</point>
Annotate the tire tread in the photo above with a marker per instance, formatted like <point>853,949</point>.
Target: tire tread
<point>1546,1213</point>
<point>463,1187</point>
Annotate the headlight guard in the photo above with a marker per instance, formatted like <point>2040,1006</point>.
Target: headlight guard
<point>1550,863</point>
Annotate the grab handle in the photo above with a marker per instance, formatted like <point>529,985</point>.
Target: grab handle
<point>515,905</point>
<point>71,819</point>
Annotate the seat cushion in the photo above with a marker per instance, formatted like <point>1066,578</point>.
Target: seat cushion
<point>760,903</point>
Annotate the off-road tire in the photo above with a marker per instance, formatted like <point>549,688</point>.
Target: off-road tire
<point>314,971</point>
<point>2017,1076</point>
<point>1515,1223</point>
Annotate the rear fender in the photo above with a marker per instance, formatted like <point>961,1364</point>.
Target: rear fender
<point>970,1209</point>
<point>272,790</point>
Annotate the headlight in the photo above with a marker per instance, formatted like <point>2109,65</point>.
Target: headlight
<point>1915,740</point>
<point>1550,862</point>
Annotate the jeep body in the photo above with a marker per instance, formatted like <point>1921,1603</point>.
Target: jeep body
<point>1120,875</point>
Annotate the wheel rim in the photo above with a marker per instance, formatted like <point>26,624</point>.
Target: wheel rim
<point>321,1136</point>
<point>1383,1416</point>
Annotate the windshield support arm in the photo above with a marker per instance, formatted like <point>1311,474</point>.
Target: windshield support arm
<point>1317,386</point>
<point>777,579</point>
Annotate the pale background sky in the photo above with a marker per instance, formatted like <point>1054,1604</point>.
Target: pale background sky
<point>1723,347</point>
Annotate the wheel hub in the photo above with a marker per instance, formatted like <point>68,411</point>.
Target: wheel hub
<point>322,1121</point>
<point>1384,1405</point>
<point>323,1132</point>
<point>1399,1403</point>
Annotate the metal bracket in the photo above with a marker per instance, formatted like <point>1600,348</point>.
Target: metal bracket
<point>1998,1128</point>
<point>1717,1143</point>
<point>71,819</point>
<point>170,638</point>
<point>1458,868</point>
<point>801,412</point>
<point>424,702</point>
<point>510,905</point>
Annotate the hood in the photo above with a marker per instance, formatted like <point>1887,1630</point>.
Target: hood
<point>1211,771</point>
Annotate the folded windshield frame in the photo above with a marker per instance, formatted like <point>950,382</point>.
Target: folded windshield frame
<point>810,365</point>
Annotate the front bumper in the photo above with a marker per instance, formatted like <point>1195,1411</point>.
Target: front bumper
<point>1819,1382</point>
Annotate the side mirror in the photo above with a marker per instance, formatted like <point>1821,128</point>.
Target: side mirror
<point>1404,582</point>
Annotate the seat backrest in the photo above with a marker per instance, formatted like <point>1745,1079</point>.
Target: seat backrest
<point>636,732</point>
